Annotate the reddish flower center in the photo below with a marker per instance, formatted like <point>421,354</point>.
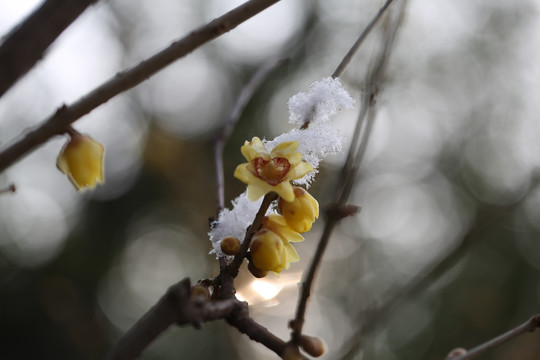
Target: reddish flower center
<point>272,171</point>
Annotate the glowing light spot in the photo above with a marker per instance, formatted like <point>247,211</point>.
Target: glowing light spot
<point>265,289</point>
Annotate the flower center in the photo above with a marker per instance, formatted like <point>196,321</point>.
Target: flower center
<point>272,171</point>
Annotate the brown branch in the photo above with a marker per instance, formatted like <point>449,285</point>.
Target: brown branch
<point>26,44</point>
<point>64,116</point>
<point>347,178</point>
<point>175,307</point>
<point>529,326</point>
<point>246,325</point>
<point>178,307</point>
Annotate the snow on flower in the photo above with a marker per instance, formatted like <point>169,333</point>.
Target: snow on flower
<point>323,99</point>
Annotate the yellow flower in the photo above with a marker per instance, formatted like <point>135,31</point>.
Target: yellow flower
<point>81,160</point>
<point>300,214</point>
<point>266,172</point>
<point>270,253</point>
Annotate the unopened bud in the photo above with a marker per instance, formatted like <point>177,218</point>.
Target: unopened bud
<point>258,273</point>
<point>199,290</point>
<point>312,345</point>
<point>230,245</point>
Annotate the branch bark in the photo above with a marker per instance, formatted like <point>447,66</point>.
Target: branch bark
<point>58,122</point>
<point>26,44</point>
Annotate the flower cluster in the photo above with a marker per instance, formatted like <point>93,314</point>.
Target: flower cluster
<point>274,166</point>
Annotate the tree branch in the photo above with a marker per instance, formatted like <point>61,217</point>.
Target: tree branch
<point>25,45</point>
<point>66,115</point>
<point>529,326</point>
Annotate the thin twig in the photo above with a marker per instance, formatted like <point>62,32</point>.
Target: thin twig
<point>529,326</point>
<point>243,99</point>
<point>26,44</point>
<point>347,179</point>
<point>66,115</point>
<point>347,59</point>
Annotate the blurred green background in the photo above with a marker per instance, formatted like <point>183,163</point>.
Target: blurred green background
<point>450,173</point>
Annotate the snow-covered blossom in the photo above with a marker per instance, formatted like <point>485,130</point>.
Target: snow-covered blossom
<point>323,100</point>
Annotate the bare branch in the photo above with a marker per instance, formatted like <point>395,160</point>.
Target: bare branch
<point>25,45</point>
<point>178,307</point>
<point>529,326</point>
<point>66,115</point>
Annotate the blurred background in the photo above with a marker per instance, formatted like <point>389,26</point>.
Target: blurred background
<point>445,252</point>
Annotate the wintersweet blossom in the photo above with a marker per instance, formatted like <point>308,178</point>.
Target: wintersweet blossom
<point>300,214</point>
<point>266,172</point>
<point>81,159</point>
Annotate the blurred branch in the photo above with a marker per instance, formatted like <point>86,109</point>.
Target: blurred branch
<point>348,57</point>
<point>243,99</point>
<point>349,170</point>
<point>26,44</point>
<point>10,189</point>
<point>58,122</point>
<point>486,217</point>
<point>529,326</point>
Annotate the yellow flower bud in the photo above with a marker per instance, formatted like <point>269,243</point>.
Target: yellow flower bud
<point>300,214</point>
<point>312,345</point>
<point>81,160</point>
<point>230,245</point>
<point>268,252</point>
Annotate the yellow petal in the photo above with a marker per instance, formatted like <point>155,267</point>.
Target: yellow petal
<point>299,171</point>
<point>284,149</point>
